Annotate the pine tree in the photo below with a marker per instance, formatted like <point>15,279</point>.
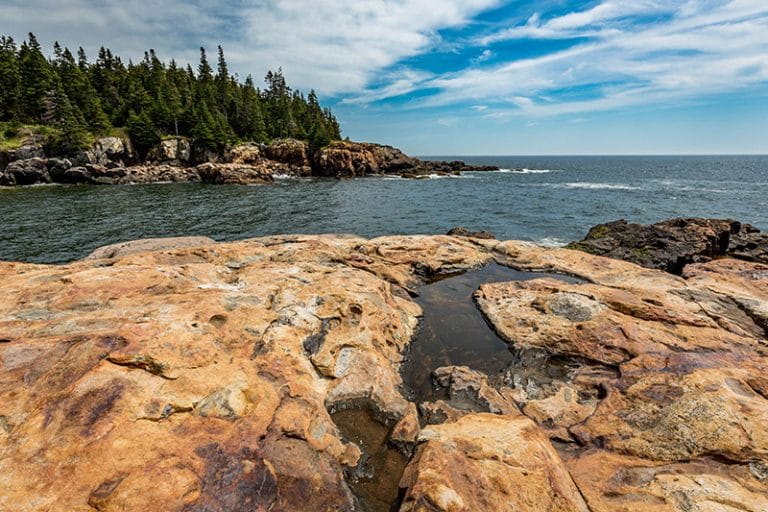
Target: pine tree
<point>151,99</point>
<point>142,132</point>
<point>57,111</point>
<point>10,80</point>
<point>222,84</point>
<point>37,79</point>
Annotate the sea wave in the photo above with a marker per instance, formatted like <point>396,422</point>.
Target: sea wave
<point>595,186</point>
<point>527,171</point>
<point>551,242</point>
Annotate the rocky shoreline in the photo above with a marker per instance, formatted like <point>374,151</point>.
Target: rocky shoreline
<point>197,376</point>
<point>112,161</point>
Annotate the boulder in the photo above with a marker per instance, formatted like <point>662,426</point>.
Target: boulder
<point>26,172</point>
<point>233,174</point>
<point>110,149</point>
<point>288,151</point>
<point>462,231</point>
<point>249,153</point>
<point>488,462</point>
<point>57,167</point>
<point>159,173</point>
<point>28,151</point>
<point>674,243</point>
<point>292,152</point>
<point>173,150</point>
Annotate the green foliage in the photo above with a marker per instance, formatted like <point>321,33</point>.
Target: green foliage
<point>151,99</point>
<point>142,132</point>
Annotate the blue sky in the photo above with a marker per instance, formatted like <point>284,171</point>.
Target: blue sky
<point>461,77</point>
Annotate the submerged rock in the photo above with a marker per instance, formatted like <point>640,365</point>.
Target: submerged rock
<point>186,375</point>
<point>462,231</point>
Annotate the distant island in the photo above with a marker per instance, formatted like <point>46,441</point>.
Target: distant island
<point>67,120</point>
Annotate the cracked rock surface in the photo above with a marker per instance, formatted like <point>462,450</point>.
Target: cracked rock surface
<point>207,378</point>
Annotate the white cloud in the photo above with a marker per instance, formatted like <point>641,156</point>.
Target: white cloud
<point>335,46</point>
<point>701,48</point>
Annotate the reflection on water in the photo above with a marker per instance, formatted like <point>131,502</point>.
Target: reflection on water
<point>453,331</point>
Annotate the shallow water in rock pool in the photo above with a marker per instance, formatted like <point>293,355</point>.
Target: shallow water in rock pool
<point>452,331</point>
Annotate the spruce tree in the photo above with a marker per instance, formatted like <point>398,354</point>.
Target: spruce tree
<point>151,99</point>
<point>37,80</point>
<point>10,80</point>
<point>142,132</point>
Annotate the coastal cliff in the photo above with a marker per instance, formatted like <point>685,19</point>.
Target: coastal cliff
<point>112,161</point>
<point>265,375</point>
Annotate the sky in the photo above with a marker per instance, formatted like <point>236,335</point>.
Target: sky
<point>469,77</point>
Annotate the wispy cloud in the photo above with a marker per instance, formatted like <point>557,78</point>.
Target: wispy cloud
<point>335,46</point>
<point>688,49</point>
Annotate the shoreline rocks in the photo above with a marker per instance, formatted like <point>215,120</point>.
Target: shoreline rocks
<point>672,244</point>
<point>189,375</point>
<point>112,161</point>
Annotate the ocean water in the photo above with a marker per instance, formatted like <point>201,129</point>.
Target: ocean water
<point>551,200</point>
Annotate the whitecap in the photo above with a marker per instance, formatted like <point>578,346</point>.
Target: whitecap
<point>596,186</point>
<point>525,171</point>
<point>535,171</point>
<point>551,241</point>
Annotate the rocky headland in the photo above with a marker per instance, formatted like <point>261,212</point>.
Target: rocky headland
<point>186,375</point>
<point>112,161</point>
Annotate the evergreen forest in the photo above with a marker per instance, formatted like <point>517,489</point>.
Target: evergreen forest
<point>73,100</point>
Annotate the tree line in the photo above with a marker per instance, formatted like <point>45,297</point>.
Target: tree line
<point>151,99</point>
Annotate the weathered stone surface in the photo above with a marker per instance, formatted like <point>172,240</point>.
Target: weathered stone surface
<point>207,377</point>
<point>233,174</point>
<point>31,147</point>
<point>488,462</point>
<point>344,158</point>
<point>175,150</point>
<point>123,249</point>
<point>667,375</point>
<point>201,378</point>
<point>291,152</point>
<point>349,159</point>
<point>674,243</point>
<point>250,153</point>
<point>612,482</point>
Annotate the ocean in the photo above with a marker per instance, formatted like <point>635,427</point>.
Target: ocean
<point>550,200</point>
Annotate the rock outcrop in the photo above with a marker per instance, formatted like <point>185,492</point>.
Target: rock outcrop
<point>26,172</point>
<point>293,153</point>
<point>112,161</point>
<point>123,249</point>
<point>674,243</point>
<point>202,376</point>
<point>350,159</point>
<point>250,153</point>
<point>174,151</point>
<point>234,174</point>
